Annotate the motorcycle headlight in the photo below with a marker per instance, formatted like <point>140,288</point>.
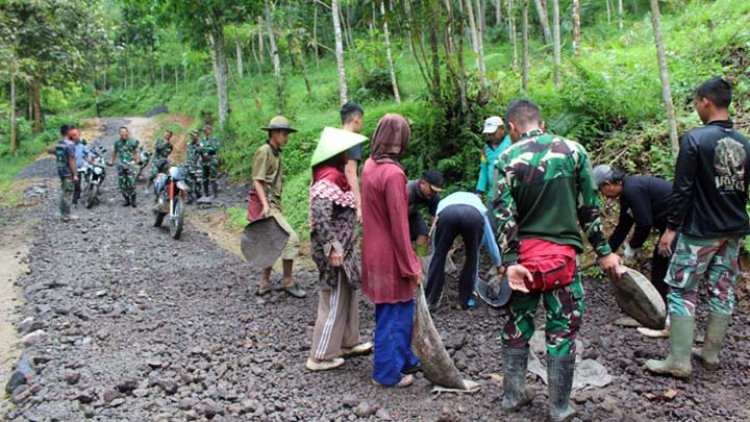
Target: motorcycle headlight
<point>97,170</point>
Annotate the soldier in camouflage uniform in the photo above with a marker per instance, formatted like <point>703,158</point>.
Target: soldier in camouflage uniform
<point>126,153</point>
<point>709,197</point>
<point>162,149</point>
<point>543,189</point>
<point>195,166</point>
<point>210,147</point>
<point>65,155</point>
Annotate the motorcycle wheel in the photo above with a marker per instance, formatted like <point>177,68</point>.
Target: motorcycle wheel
<point>176,223</point>
<point>90,195</point>
<point>159,218</point>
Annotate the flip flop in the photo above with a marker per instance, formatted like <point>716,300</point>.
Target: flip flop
<point>471,387</point>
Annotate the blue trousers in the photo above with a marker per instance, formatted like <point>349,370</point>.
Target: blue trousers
<point>393,329</point>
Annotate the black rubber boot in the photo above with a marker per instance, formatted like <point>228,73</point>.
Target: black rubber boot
<point>560,382</point>
<point>515,393</point>
<point>132,200</point>
<point>206,185</point>
<point>127,200</point>
<point>214,189</point>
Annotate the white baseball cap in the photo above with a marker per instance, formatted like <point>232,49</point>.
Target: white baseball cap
<point>492,123</point>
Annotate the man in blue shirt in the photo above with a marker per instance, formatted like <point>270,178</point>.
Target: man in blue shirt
<point>497,142</point>
<point>464,214</point>
<point>83,155</point>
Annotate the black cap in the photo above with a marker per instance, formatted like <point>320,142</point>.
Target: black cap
<point>434,178</point>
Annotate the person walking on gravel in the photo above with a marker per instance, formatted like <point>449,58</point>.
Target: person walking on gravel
<point>162,150</point>
<point>645,202</point>
<point>126,153</point>
<point>195,166</point>
<point>710,196</point>
<point>210,147</point>
<point>390,268</point>
<point>268,176</point>
<point>544,189</point>
<point>65,156</point>
<point>83,155</point>
<point>333,239</point>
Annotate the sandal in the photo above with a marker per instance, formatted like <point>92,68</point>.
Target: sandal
<point>406,381</point>
<point>263,291</point>
<point>295,291</point>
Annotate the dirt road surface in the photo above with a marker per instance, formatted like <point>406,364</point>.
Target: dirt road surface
<point>139,327</point>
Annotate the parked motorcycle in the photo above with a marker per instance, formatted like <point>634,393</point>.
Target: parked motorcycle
<point>171,190</point>
<point>92,175</point>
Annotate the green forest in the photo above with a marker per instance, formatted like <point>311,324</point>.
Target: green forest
<point>615,75</point>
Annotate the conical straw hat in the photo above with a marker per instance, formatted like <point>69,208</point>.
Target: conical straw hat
<point>333,142</point>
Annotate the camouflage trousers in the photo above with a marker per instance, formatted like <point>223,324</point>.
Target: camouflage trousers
<point>712,260</point>
<point>211,170</point>
<point>66,190</point>
<point>195,180</point>
<point>126,178</point>
<point>564,308</point>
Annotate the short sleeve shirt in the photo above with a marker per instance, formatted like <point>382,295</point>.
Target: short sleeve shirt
<point>416,199</point>
<point>355,153</point>
<point>266,163</point>
<point>63,151</point>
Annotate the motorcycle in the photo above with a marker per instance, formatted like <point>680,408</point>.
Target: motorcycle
<point>171,189</point>
<point>92,174</point>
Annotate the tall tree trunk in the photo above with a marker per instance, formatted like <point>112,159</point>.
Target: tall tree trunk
<point>343,94</point>
<point>620,13</point>
<point>13,140</point>
<point>261,24</point>
<point>240,64</point>
<point>556,40</point>
<point>434,47</point>
<point>664,76</point>
<point>255,56</point>
<point>315,42</point>
<point>476,40</point>
<point>609,12</point>
<point>219,60</point>
<point>576,26</point>
<point>177,77</point>
<point>276,61</point>
<point>525,41</point>
<point>512,34</point>
<point>541,10</point>
<point>161,66</point>
<point>37,101</point>
<point>388,54</point>
<point>498,12</point>
<point>480,38</point>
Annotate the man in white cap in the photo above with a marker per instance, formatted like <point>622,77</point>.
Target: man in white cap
<point>497,142</point>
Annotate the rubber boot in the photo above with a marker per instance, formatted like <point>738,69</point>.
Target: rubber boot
<point>214,189</point>
<point>560,383</point>
<point>677,364</point>
<point>708,356</point>
<point>206,185</point>
<point>127,200</point>
<point>132,200</point>
<point>515,393</point>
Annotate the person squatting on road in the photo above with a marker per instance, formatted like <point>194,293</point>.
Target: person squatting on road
<point>464,214</point>
<point>210,151</point>
<point>644,201</point>
<point>83,155</point>
<point>268,177</point>
<point>539,182</point>
<point>333,239</point>
<point>126,153</point>
<point>497,141</point>
<point>195,166</point>
<point>390,268</point>
<point>710,193</point>
<point>162,150</point>
<point>65,156</point>
<point>423,193</point>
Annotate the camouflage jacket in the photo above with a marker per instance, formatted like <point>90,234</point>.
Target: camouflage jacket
<point>162,149</point>
<point>126,150</point>
<point>194,154</point>
<point>210,145</point>
<point>543,184</point>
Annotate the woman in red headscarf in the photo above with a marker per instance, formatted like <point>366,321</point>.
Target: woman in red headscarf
<point>390,269</point>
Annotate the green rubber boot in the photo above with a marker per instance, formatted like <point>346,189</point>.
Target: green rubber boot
<point>560,370</point>
<point>708,356</point>
<point>677,364</point>
<point>515,393</point>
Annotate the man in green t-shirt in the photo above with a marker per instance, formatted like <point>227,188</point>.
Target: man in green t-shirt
<point>544,189</point>
<point>126,153</point>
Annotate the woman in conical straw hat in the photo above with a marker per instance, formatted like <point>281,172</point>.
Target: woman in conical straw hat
<point>333,219</point>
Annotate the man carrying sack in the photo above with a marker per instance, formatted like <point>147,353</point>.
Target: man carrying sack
<point>265,201</point>
<point>538,185</point>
